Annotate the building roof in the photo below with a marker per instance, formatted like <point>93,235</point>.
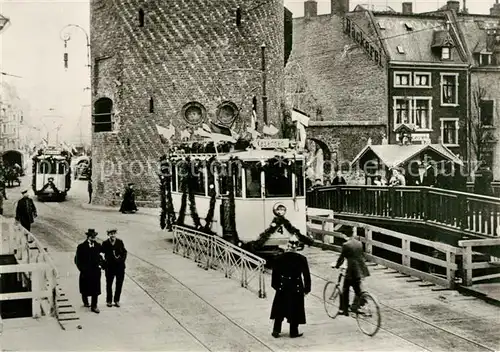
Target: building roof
<point>474,29</point>
<point>411,37</point>
<point>374,8</point>
<point>396,155</point>
<point>324,71</point>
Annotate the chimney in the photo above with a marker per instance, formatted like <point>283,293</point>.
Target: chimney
<point>407,8</point>
<point>339,7</point>
<point>310,8</point>
<point>495,10</point>
<point>453,5</point>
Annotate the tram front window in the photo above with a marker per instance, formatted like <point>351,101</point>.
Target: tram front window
<point>252,176</point>
<point>278,180</point>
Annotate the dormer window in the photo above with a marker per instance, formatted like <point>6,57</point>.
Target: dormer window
<point>408,27</point>
<point>381,25</point>
<point>400,49</point>
<point>485,59</point>
<point>445,53</point>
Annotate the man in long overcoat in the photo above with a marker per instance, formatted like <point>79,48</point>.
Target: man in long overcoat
<point>292,281</point>
<point>26,211</point>
<point>128,203</point>
<point>115,255</point>
<point>88,261</point>
<point>352,251</point>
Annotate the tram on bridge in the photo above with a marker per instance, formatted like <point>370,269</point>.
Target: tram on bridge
<point>51,173</point>
<point>254,198</point>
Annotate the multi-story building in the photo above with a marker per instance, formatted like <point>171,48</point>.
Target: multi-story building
<point>11,119</point>
<point>398,68</point>
<point>480,35</point>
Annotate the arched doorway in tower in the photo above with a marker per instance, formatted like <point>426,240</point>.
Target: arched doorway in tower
<point>320,161</point>
<point>102,118</point>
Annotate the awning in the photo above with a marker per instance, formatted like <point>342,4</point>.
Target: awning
<point>396,155</point>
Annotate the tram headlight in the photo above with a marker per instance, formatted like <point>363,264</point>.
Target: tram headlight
<point>279,209</point>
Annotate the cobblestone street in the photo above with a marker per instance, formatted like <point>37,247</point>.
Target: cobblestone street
<point>171,304</point>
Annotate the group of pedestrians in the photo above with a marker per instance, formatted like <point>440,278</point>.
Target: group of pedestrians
<point>91,257</point>
<point>291,279</point>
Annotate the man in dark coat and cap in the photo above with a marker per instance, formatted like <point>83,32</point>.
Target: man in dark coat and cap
<point>26,211</point>
<point>352,250</point>
<point>115,255</point>
<point>88,259</point>
<point>128,203</point>
<point>292,281</point>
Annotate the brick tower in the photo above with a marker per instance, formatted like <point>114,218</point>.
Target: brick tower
<point>175,64</point>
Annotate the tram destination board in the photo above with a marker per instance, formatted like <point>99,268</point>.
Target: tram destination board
<point>272,143</point>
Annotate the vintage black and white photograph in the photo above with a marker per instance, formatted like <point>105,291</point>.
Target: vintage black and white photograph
<point>250,175</point>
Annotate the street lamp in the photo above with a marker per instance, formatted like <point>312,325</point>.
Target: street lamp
<point>66,36</point>
<point>4,23</point>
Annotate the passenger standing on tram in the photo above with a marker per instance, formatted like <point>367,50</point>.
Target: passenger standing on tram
<point>26,211</point>
<point>292,281</point>
<point>115,255</point>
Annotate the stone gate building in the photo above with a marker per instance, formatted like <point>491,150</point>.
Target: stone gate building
<point>176,64</point>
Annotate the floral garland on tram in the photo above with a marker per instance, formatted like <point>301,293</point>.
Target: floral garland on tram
<point>167,216</point>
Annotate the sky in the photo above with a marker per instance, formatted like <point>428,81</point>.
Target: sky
<point>33,49</point>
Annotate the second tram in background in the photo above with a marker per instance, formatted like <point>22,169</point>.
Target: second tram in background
<point>51,173</point>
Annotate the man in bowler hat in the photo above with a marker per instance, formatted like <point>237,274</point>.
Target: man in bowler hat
<point>88,261</point>
<point>291,280</point>
<point>115,255</point>
<point>352,251</point>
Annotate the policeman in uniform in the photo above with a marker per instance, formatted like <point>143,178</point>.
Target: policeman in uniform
<point>292,281</point>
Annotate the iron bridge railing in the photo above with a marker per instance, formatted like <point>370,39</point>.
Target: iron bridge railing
<point>212,252</point>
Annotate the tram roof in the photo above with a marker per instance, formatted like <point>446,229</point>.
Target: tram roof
<point>49,156</point>
<point>262,154</point>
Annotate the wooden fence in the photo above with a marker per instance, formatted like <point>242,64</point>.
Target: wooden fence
<point>479,247</point>
<point>434,262</point>
<point>35,268</point>
<point>469,213</point>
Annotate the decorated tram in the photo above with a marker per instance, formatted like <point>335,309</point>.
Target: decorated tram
<point>51,173</point>
<point>254,197</point>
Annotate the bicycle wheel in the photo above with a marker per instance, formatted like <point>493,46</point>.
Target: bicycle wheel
<point>368,315</point>
<point>331,299</point>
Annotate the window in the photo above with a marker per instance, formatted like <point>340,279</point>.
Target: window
<point>151,105</point>
<point>278,180</point>
<point>422,114</point>
<point>402,79</point>
<point>445,53</point>
<point>486,108</point>
<point>252,176</point>
<point>416,111</point>
<point>449,89</point>
<point>402,111</point>
<point>408,27</point>
<point>422,80</point>
<point>141,18</point>
<point>238,16</point>
<point>299,179</point>
<point>199,179</point>
<point>400,49</point>
<point>484,59</point>
<point>449,131</point>
<point>381,25</point>
<point>347,26</point>
<point>102,117</point>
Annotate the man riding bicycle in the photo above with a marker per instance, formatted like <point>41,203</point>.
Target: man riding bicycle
<point>352,250</point>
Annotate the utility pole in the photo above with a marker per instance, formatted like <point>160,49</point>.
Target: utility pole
<point>264,96</point>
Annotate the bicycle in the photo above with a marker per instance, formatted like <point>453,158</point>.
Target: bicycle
<point>369,309</point>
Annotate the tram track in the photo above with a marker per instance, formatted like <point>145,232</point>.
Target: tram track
<point>59,228</point>
<point>65,229</point>
<point>415,318</point>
